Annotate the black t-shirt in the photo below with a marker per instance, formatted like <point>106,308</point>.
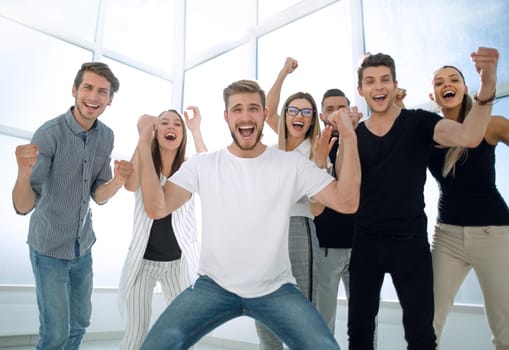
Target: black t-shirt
<point>162,244</point>
<point>394,174</point>
<point>469,197</point>
<point>334,230</point>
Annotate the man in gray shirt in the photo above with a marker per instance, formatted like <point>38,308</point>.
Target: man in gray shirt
<point>66,164</point>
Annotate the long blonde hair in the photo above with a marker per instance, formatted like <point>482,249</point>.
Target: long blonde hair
<point>314,129</point>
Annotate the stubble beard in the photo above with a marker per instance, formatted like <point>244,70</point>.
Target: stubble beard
<point>244,148</point>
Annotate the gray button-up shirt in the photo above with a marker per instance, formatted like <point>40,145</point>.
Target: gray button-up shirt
<point>71,165</point>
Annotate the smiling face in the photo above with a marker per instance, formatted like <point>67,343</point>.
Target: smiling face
<point>448,88</point>
<point>92,97</point>
<point>330,105</point>
<point>170,130</point>
<point>245,117</point>
<point>297,126</point>
<point>378,89</point>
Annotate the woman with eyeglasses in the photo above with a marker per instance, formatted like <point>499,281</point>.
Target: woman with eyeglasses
<point>472,229</point>
<point>298,128</point>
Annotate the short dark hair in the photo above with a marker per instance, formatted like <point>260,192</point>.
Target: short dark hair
<point>101,69</point>
<point>334,92</point>
<point>379,59</point>
<point>242,86</point>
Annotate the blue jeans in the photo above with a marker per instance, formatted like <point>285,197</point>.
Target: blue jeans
<point>205,305</point>
<point>304,251</point>
<point>64,291</point>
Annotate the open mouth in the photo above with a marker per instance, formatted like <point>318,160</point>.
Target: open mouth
<point>298,125</point>
<point>170,136</point>
<point>448,94</point>
<point>91,105</point>
<point>246,131</point>
<point>379,98</point>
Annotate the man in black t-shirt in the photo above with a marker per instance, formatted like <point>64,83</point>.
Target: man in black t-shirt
<point>334,231</point>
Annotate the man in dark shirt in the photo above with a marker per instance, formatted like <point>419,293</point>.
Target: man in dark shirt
<point>334,231</point>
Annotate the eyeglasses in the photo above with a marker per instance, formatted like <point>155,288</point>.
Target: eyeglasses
<point>294,111</point>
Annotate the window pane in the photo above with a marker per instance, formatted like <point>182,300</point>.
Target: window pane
<point>142,30</point>
<point>14,228</point>
<point>113,225</point>
<point>267,8</point>
<point>204,87</point>
<point>501,107</point>
<point>421,46</point>
<point>325,61</point>
<point>75,18</point>
<point>37,76</point>
<point>230,21</point>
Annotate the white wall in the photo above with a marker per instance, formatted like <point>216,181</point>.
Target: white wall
<point>466,328</point>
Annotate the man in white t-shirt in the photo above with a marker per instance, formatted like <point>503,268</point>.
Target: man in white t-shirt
<point>246,192</point>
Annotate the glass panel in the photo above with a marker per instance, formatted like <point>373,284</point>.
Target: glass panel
<point>267,8</point>
<point>113,225</point>
<point>420,46</point>
<point>13,227</point>
<point>75,18</point>
<point>139,93</point>
<point>230,21</point>
<point>323,64</point>
<point>142,30</point>
<point>204,87</point>
<point>501,107</point>
<point>37,76</point>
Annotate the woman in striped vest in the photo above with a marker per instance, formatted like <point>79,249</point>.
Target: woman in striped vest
<point>164,250</point>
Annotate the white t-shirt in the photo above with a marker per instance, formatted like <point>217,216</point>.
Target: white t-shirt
<point>245,214</point>
<point>302,208</point>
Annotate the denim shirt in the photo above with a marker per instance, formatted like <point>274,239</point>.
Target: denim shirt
<point>71,165</point>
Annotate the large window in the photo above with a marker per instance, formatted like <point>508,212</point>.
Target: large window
<point>175,53</point>
<point>44,45</point>
<point>141,30</point>
<point>72,20</point>
<point>424,35</point>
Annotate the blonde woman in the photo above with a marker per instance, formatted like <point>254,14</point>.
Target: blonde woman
<point>298,129</point>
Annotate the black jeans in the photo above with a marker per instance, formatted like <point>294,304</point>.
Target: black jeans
<point>408,260</point>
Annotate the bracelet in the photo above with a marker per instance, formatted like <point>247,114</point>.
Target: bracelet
<point>488,101</point>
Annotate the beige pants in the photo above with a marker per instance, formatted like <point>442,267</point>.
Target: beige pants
<point>456,250</point>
